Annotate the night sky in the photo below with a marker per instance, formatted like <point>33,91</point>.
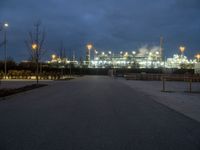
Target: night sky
<point>109,24</point>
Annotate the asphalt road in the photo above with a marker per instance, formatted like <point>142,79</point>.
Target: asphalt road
<point>93,113</point>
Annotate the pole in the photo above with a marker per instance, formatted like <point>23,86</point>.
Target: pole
<point>5,53</point>
<point>89,56</point>
<point>37,51</point>
<point>70,69</point>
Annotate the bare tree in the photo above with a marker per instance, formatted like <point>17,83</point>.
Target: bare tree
<point>35,45</point>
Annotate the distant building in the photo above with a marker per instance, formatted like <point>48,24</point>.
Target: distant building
<point>180,61</point>
<point>126,60</point>
<point>143,58</point>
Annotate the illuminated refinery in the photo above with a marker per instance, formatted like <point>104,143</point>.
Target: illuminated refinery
<point>145,57</point>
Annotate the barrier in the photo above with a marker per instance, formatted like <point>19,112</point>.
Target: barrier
<point>164,78</point>
<point>158,77</point>
<point>188,79</point>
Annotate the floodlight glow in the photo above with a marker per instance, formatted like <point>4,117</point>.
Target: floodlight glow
<point>53,56</point>
<point>6,25</point>
<point>34,46</point>
<point>182,49</point>
<point>89,46</point>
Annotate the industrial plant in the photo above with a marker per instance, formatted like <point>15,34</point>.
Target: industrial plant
<point>144,57</point>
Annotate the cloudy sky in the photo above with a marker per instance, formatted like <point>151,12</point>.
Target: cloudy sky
<point>109,24</point>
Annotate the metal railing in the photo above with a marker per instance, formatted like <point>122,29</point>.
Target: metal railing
<point>158,77</point>
<point>188,78</point>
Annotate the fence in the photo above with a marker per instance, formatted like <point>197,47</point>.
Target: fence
<point>189,79</point>
<point>159,77</point>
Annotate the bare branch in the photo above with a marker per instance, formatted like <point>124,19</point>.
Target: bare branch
<point>36,37</point>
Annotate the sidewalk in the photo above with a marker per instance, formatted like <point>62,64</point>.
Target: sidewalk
<point>183,102</point>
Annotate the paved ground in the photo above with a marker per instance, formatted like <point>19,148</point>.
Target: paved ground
<point>93,113</point>
<point>179,100</point>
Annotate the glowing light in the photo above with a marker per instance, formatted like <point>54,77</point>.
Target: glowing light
<point>133,52</point>
<point>34,46</point>
<point>198,57</point>
<point>182,49</point>
<point>89,46</point>
<point>53,56</point>
<point>110,52</point>
<point>6,25</point>
<point>126,54</point>
<point>157,53</point>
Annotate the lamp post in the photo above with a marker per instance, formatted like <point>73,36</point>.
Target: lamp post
<point>198,57</point>
<point>34,46</point>
<point>6,25</point>
<point>89,47</point>
<point>35,49</point>
<point>53,56</point>
<point>182,49</point>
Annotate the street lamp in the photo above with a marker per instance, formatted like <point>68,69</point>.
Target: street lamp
<point>89,47</point>
<point>53,57</point>
<point>34,46</point>
<point>198,57</point>
<point>35,49</point>
<point>6,25</point>
<point>182,49</point>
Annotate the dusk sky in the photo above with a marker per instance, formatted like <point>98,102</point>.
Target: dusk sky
<point>109,24</point>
